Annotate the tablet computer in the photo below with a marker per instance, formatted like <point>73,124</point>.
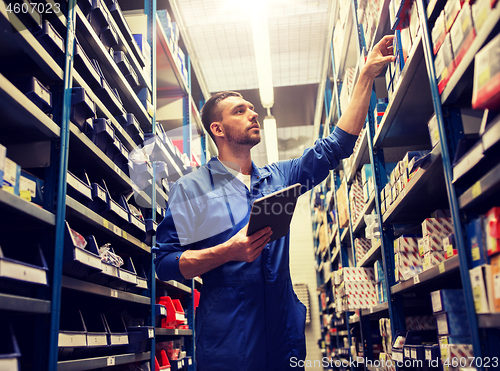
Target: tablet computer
<point>274,210</point>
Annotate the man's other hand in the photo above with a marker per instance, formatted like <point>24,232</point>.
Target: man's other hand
<point>381,55</point>
<point>248,248</point>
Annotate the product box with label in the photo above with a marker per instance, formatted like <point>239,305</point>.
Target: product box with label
<point>453,323</point>
<point>495,283</point>
<point>444,64</point>
<point>414,23</point>
<point>492,231</point>
<point>11,176</point>
<point>378,270</point>
<point>442,227</point>
<point>406,244</point>
<point>448,300</point>
<point>480,12</point>
<point>438,32</point>
<point>358,274</point>
<point>3,152</point>
<point>432,125</point>
<point>486,87</point>
<point>476,242</point>
<point>449,246</point>
<point>462,33</point>
<point>31,188</point>
<point>451,11</point>
<point>433,258</point>
<point>342,205</point>
<point>480,280</point>
<point>432,243</point>
<point>407,265</point>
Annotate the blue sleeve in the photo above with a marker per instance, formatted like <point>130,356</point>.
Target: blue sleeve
<point>174,235</point>
<point>316,162</point>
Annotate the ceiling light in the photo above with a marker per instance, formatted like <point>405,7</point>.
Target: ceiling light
<point>262,49</point>
<point>271,138</point>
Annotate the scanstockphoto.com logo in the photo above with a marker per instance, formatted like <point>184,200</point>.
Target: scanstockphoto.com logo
<point>359,362</point>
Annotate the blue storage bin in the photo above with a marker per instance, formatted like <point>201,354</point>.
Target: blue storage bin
<point>102,134</point>
<point>97,334</point>
<point>85,6</point>
<point>113,148</point>
<point>129,122</point>
<point>432,358</point>
<point>109,37</point>
<point>82,107</point>
<point>80,262</point>
<point>110,98</point>
<point>52,42</point>
<point>21,269</point>
<point>9,350</point>
<point>127,275</point>
<point>85,67</point>
<point>36,92</point>
<point>79,189</point>
<point>72,330</point>
<point>116,329</point>
<point>139,338</point>
<point>97,16</point>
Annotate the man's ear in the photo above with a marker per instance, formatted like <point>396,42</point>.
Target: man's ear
<point>217,130</point>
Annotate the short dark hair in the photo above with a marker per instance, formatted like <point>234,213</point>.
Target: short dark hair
<point>211,112</point>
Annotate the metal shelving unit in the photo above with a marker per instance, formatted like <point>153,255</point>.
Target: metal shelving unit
<point>467,189</point>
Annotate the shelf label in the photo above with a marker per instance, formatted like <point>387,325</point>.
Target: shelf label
<point>371,310</point>
<point>105,223</point>
<point>110,361</point>
<point>441,268</point>
<point>151,333</point>
<point>416,279</point>
<point>114,293</point>
<point>176,332</point>
<point>124,235</point>
<point>476,189</point>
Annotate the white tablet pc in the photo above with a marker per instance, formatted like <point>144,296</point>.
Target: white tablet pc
<point>274,210</point>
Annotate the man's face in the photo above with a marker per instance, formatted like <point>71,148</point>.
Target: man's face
<point>239,121</point>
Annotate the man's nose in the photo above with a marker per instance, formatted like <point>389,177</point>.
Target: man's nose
<point>253,114</point>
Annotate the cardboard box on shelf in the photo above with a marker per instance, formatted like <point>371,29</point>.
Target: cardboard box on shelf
<point>442,227</point>
<point>407,265</point>
<point>342,205</point>
<point>495,283</point>
<point>433,258</point>
<point>448,300</point>
<point>486,86</point>
<point>480,280</point>
<point>462,33</point>
<point>451,11</point>
<point>452,323</point>
<point>480,12</point>
<point>11,176</point>
<point>432,243</point>
<point>438,32</point>
<point>492,231</point>
<point>406,244</point>
<point>444,64</point>
<point>476,242</point>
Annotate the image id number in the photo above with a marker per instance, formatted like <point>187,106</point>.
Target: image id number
<point>30,7</point>
<point>472,362</point>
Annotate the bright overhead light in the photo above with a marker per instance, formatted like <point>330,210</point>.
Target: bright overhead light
<point>271,137</point>
<point>262,49</point>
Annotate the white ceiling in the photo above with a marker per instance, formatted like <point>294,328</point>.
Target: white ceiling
<point>221,35</point>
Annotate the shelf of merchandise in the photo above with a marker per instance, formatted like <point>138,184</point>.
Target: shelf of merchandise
<point>466,190</point>
<point>99,362</point>
<point>23,123</point>
<point>462,76</point>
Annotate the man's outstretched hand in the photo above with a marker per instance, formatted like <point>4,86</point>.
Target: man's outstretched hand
<point>381,55</point>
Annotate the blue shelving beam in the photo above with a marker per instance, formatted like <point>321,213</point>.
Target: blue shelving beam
<point>452,126</point>
<point>61,190</point>
<point>150,9</point>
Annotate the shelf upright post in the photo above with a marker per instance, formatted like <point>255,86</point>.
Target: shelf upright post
<point>450,188</point>
<point>186,117</point>
<point>396,310</point>
<point>55,309</point>
<point>150,9</point>
<point>203,137</point>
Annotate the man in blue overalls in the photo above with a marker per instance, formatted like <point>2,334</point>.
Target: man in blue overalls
<point>249,317</point>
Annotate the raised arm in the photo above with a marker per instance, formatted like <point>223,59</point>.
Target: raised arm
<point>353,119</point>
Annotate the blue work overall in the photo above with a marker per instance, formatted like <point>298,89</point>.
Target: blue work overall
<point>249,317</point>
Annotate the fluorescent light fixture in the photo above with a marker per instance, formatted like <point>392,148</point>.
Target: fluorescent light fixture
<point>271,138</point>
<point>262,49</point>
